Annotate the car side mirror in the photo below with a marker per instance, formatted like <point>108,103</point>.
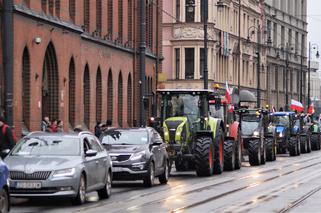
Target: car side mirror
<point>91,153</point>
<point>4,153</point>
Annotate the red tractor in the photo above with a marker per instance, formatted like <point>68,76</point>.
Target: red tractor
<point>219,108</point>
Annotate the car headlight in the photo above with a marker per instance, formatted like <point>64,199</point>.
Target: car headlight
<point>138,155</point>
<point>64,173</point>
<point>281,135</point>
<point>256,133</point>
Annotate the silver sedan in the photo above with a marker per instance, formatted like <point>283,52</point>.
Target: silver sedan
<point>52,165</point>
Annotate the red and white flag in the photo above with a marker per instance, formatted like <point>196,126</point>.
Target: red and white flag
<point>228,95</point>
<point>311,109</point>
<point>296,106</point>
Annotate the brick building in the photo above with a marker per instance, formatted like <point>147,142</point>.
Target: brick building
<point>78,61</point>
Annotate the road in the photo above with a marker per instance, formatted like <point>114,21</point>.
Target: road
<point>291,184</point>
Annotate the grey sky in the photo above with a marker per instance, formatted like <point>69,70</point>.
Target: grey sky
<point>314,22</point>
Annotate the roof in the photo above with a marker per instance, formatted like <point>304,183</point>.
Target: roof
<point>283,113</point>
<point>184,90</point>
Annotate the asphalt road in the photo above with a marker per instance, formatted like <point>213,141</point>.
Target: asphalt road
<point>291,184</point>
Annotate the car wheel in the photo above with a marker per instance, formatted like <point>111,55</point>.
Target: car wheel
<point>81,195</point>
<point>163,179</point>
<point>4,201</point>
<point>106,191</point>
<point>150,177</point>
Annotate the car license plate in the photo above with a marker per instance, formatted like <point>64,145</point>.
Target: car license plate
<point>28,185</point>
<point>117,169</point>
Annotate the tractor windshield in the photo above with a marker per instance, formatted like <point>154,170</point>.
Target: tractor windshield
<point>281,120</point>
<point>179,105</point>
<point>249,124</point>
<point>217,111</point>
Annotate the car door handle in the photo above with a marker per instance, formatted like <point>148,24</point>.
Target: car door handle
<point>97,161</point>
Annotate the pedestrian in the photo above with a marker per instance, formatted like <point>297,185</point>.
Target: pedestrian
<point>45,123</point>
<point>60,126</point>
<point>53,127</point>
<point>6,136</point>
<point>98,129</point>
<point>78,129</point>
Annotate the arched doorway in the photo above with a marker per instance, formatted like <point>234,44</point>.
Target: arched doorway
<point>72,92</point>
<point>86,96</point>
<point>129,101</point>
<point>110,96</point>
<point>50,84</point>
<point>98,95</point>
<point>120,100</point>
<point>25,87</point>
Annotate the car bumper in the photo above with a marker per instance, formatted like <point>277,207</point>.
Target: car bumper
<point>124,173</point>
<point>62,187</point>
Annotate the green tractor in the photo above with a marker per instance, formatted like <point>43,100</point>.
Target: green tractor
<point>194,139</point>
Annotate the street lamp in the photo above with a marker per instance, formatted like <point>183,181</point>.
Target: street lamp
<point>251,32</point>
<point>311,48</point>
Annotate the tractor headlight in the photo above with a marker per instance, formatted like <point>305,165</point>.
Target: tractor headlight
<point>256,133</point>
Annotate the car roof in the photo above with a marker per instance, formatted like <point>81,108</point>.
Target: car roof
<point>59,134</point>
<point>283,113</point>
<point>131,129</point>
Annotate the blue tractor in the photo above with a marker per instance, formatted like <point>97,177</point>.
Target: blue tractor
<point>286,129</point>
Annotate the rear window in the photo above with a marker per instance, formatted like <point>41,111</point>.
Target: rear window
<point>125,137</point>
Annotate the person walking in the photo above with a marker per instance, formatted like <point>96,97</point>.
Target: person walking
<point>98,129</point>
<point>45,123</point>
<point>60,126</point>
<point>6,136</point>
<point>53,127</point>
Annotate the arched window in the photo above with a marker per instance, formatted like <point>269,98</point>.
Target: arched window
<point>72,92</point>
<point>129,101</point>
<point>130,22</point>
<point>98,16</point>
<point>110,19</point>
<point>86,15</point>
<point>120,99</point>
<point>72,10</point>
<point>98,95</point>
<point>110,96</point>
<point>44,5</point>
<point>86,97</point>
<point>26,87</point>
<point>120,21</point>
<point>51,7</point>
<point>57,7</point>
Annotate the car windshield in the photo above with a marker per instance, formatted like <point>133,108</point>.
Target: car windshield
<point>49,145</point>
<point>125,137</point>
<point>281,120</point>
<point>249,124</point>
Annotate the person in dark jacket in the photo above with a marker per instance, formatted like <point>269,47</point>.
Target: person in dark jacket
<point>45,123</point>
<point>98,129</point>
<point>6,136</point>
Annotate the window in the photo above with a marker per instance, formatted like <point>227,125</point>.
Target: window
<point>57,5</point>
<point>202,61</point>
<point>120,100</point>
<point>296,42</point>
<point>120,21</point>
<point>72,10</point>
<point>86,15</point>
<point>189,63</point>
<point>86,97</point>
<point>44,5</point>
<point>130,22</point>
<point>110,96</point>
<point>178,10</point>
<point>190,10</point>
<point>72,92</point>
<point>110,19</point>
<point>129,100</point>
<point>27,3</point>
<point>98,95</point>
<point>290,37</point>
<point>98,17</point>
<point>202,10</point>
<point>275,34</point>
<point>149,25</point>
<point>26,87</point>
<point>51,6</point>
<point>177,63</point>
<point>94,145</point>
<point>282,36</point>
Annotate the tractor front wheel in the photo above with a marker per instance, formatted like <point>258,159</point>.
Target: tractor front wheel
<point>219,152</point>
<point>254,150</point>
<point>229,155</point>
<point>294,146</point>
<point>204,156</point>
<point>270,149</point>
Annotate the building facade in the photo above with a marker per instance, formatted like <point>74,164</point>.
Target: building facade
<point>78,61</point>
<point>183,40</point>
<point>287,26</point>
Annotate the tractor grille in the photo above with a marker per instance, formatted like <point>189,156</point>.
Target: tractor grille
<point>172,126</point>
<point>42,175</point>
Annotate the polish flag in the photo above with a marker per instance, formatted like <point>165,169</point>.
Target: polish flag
<point>230,108</point>
<point>296,106</point>
<point>311,109</point>
<point>228,94</point>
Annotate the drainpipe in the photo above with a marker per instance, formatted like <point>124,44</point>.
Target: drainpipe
<point>7,34</point>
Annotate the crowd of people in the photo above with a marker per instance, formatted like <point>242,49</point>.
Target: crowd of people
<point>51,126</point>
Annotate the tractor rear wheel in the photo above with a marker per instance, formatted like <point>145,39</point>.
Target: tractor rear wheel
<point>315,142</point>
<point>263,155</point>
<point>238,155</point>
<point>270,149</point>
<point>254,150</point>
<point>304,143</point>
<point>309,144</point>
<point>294,146</point>
<point>229,155</point>
<point>204,156</point>
<point>219,152</point>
